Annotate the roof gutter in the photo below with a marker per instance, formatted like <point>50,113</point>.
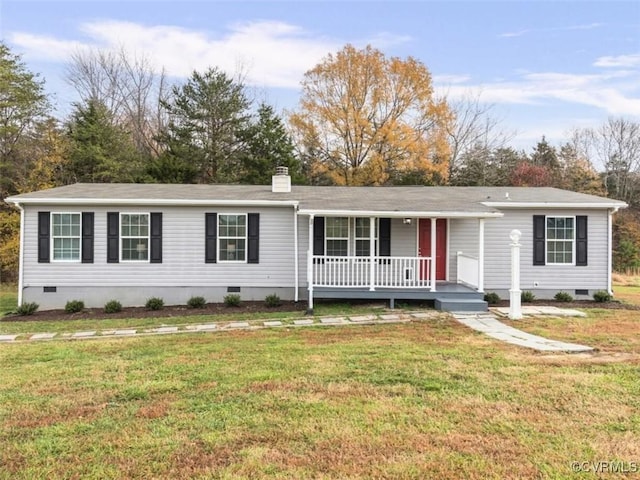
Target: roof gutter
<point>554,205</point>
<point>155,201</point>
<point>399,214</point>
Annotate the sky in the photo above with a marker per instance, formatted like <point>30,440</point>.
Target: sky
<point>543,67</point>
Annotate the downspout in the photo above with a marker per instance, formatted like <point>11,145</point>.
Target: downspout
<point>21,255</point>
<point>610,249</point>
<point>310,267</point>
<point>296,280</point>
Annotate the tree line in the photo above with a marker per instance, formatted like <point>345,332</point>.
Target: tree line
<point>362,119</point>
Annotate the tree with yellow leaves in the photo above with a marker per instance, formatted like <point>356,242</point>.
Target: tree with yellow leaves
<point>365,119</point>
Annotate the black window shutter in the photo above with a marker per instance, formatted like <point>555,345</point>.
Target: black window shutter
<point>253,238</point>
<point>384,224</point>
<point>87,237</point>
<point>210,239</point>
<point>113,234</point>
<point>581,240</point>
<point>318,235</point>
<point>539,234</point>
<point>44,232</point>
<point>156,238</point>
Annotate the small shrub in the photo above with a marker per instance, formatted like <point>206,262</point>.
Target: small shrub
<point>602,296</point>
<point>272,300</point>
<point>112,306</point>
<point>196,302</point>
<point>492,298</point>
<point>232,300</point>
<point>563,297</point>
<point>74,306</point>
<point>527,297</point>
<point>27,308</point>
<point>154,303</point>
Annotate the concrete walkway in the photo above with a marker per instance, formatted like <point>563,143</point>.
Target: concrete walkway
<point>487,323</point>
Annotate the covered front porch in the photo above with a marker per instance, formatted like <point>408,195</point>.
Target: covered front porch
<point>401,257</point>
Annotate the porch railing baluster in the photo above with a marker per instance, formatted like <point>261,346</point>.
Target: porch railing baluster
<point>389,272</point>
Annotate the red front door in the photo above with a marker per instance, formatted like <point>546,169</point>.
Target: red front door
<point>424,245</point>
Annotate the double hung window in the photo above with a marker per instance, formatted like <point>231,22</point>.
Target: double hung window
<point>66,236</point>
<point>362,237</point>
<point>232,237</point>
<point>134,237</point>
<point>560,240</point>
<point>337,236</point>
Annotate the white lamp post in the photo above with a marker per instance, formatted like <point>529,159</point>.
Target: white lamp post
<point>515,309</point>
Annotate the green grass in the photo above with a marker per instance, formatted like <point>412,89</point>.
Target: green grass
<point>8,298</point>
<point>419,400</point>
<point>627,293</point>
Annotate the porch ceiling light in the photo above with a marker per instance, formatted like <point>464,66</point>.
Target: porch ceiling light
<point>406,221</point>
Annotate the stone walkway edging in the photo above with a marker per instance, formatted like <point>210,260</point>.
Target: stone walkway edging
<point>373,319</point>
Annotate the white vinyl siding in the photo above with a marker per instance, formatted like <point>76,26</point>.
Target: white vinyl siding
<point>232,238</point>
<point>404,238</point>
<point>497,265</point>
<point>463,237</point>
<point>134,237</point>
<point>65,237</point>
<point>183,250</point>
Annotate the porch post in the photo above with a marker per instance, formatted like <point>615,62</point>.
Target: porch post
<point>515,309</point>
<point>372,254</point>
<point>481,255</point>
<point>433,254</point>
<point>310,267</point>
<point>296,279</point>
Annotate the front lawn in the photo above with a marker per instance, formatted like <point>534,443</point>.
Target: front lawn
<point>426,399</point>
<point>8,298</point>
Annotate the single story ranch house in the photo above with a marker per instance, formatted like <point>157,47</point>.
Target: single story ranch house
<point>129,242</point>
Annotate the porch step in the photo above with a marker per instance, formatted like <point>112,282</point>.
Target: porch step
<point>461,305</point>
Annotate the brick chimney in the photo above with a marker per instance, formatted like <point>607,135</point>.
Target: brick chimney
<point>281,181</point>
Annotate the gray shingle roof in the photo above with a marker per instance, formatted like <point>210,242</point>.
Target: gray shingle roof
<point>389,199</point>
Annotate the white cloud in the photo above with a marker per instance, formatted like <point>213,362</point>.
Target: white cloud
<point>620,61</point>
<point>450,79</point>
<point>616,92</point>
<point>42,47</point>
<point>519,33</point>
<point>268,53</point>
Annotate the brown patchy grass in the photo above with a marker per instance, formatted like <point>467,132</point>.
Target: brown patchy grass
<point>418,400</point>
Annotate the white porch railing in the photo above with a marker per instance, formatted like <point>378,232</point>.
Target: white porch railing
<point>388,272</point>
<point>468,270</point>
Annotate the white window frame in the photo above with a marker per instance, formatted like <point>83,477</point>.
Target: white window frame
<point>327,238</point>
<point>245,238</point>
<point>122,237</point>
<point>367,238</point>
<point>547,240</point>
<point>53,237</point>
